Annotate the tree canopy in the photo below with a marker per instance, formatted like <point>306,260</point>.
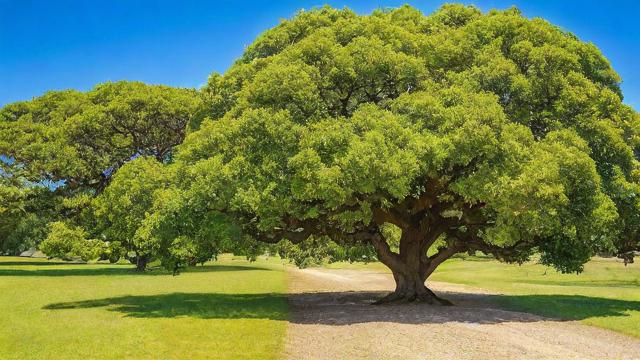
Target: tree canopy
<point>80,139</point>
<point>59,150</point>
<point>462,130</point>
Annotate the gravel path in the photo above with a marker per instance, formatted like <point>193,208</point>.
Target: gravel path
<point>332,319</point>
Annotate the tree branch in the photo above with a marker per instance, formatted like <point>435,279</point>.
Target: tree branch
<point>385,255</point>
<point>438,258</point>
<point>391,216</point>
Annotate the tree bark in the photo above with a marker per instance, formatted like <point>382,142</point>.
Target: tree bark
<point>411,288</point>
<point>141,262</point>
<point>411,267</point>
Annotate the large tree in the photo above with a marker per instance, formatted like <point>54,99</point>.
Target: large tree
<point>62,149</point>
<point>463,131</point>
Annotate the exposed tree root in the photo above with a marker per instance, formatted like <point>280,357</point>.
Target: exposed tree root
<point>403,297</point>
<point>391,298</point>
<point>440,300</point>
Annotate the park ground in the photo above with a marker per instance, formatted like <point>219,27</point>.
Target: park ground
<point>233,309</point>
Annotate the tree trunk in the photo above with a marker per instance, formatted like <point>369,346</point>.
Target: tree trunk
<point>411,288</point>
<point>411,267</point>
<point>141,262</point>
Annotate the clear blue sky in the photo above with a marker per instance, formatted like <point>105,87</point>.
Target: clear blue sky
<point>52,45</point>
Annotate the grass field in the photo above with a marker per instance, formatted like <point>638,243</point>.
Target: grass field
<point>228,310</point>
<point>606,294</point>
<point>234,309</point>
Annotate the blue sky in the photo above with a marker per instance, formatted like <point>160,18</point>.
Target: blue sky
<point>53,45</point>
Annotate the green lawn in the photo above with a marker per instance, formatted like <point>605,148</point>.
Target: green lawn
<point>606,294</point>
<point>234,309</point>
<point>228,310</point>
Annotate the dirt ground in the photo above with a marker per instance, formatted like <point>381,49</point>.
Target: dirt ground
<point>332,318</point>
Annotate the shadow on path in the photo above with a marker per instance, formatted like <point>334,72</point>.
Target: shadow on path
<point>345,308</point>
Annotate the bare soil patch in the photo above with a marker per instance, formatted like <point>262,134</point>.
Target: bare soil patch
<point>332,318</point>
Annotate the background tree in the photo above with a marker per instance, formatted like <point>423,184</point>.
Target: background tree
<point>69,144</point>
<point>124,204</point>
<point>462,131</point>
<point>143,215</point>
<point>79,139</point>
<point>69,242</point>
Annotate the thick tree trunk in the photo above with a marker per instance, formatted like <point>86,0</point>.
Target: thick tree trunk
<point>411,267</point>
<point>411,288</point>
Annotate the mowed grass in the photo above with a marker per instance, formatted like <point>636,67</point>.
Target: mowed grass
<point>229,309</point>
<point>606,294</point>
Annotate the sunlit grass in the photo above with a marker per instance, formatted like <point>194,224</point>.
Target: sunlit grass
<point>227,310</point>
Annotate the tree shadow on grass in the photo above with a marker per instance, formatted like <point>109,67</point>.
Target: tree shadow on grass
<point>197,305</point>
<point>568,307</point>
<point>632,283</point>
<point>346,308</point>
<point>117,270</point>
<point>219,267</point>
<point>36,263</point>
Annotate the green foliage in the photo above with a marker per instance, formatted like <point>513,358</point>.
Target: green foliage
<point>24,214</point>
<point>11,210</point>
<point>149,218</point>
<point>68,242</point>
<point>125,203</point>
<point>26,232</point>
<point>488,132</point>
<point>316,251</point>
<point>81,138</point>
<point>64,146</point>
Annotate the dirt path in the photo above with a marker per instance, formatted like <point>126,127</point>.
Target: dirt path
<point>333,319</point>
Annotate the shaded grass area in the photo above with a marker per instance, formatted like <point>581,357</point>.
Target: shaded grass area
<point>225,310</point>
<point>606,294</point>
<point>199,305</point>
<point>268,306</point>
<point>573,307</point>
<point>101,270</point>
